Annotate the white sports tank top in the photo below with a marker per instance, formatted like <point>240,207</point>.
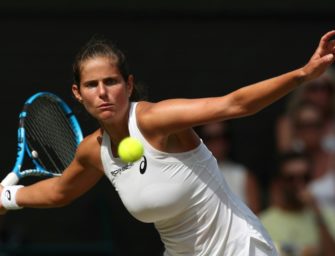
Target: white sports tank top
<point>186,197</point>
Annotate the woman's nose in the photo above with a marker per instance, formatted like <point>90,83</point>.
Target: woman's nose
<point>101,89</point>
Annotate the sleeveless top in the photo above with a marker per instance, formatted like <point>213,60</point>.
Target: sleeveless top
<point>186,197</point>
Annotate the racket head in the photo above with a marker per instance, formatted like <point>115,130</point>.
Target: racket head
<point>49,133</point>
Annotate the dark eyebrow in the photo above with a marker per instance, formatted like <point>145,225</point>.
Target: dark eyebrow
<point>110,77</point>
<point>113,77</point>
<point>89,82</point>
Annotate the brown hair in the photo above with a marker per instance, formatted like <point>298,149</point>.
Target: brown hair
<point>101,47</point>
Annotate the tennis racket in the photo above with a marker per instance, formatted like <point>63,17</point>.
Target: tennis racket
<point>48,134</point>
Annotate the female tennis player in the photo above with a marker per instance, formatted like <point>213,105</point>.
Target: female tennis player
<point>177,184</point>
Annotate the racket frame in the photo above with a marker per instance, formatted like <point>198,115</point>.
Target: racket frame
<point>22,146</point>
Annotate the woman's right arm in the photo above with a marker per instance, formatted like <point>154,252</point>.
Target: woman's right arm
<point>82,174</point>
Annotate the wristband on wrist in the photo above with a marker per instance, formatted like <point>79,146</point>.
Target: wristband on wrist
<point>8,197</point>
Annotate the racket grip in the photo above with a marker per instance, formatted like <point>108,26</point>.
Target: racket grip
<point>10,179</point>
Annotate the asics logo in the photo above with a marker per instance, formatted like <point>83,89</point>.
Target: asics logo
<point>8,195</point>
<point>143,165</point>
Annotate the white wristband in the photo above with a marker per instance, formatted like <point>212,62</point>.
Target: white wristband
<point>8,197</point>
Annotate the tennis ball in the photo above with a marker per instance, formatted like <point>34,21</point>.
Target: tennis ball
<point>130,150</point>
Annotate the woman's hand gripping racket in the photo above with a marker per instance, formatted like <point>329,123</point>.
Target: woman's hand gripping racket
<point>48,134</point>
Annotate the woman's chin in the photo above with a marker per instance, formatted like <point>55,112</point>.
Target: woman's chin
<point>105,116</point>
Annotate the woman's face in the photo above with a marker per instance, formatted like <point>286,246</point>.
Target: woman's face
<point>103,91</point>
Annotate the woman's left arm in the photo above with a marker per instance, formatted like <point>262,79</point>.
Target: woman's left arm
<point>174,115</point>
<point>257,96</point>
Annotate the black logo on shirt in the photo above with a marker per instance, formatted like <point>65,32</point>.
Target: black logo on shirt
<point>143,165</point>
<point>8,195</point>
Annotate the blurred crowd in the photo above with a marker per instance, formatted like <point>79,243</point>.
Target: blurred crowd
<point>299,212</point>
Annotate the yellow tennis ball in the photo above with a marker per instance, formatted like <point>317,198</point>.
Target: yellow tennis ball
<point>130,150</point>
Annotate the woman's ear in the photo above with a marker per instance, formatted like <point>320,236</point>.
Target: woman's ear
<point>130,85</point>
<point>76,93</point>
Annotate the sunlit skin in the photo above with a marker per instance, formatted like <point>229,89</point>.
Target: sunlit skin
<point>103,91</point>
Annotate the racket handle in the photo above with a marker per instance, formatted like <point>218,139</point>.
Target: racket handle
<point>10,179</point>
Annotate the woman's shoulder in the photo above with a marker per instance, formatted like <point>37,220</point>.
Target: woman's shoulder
<point>144,110</point>
<point>143,106</point>
<point>89,148</point>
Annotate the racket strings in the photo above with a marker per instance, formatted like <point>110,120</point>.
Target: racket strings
<point>49,132</point>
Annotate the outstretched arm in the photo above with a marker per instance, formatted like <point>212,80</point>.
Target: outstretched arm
<point>253,98</point>
<point>172,115</point>
<point>59,191</point>
<point>79,177</point>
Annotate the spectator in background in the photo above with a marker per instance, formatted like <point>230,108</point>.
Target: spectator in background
<point>308,131</point>
<point>295,221</point>
<point>321,93</point>
<point>309,125</point>
<point>242,182</point>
